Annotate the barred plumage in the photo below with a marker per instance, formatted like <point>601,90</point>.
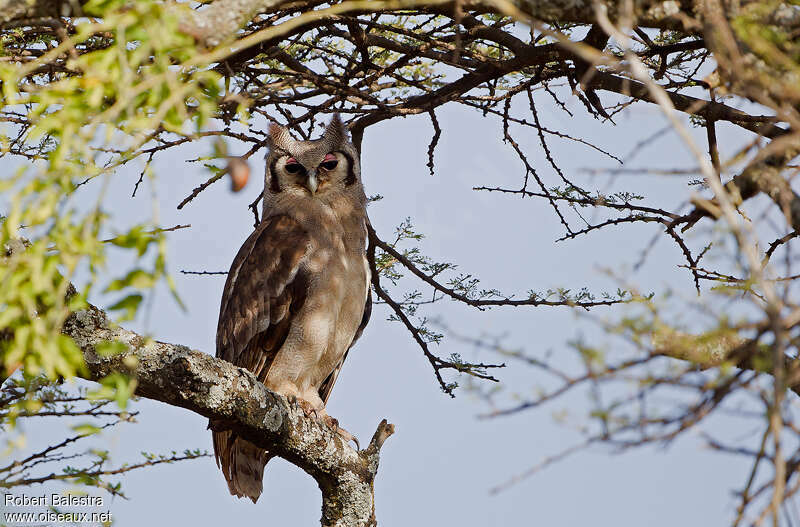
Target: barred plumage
<point>297,294</point>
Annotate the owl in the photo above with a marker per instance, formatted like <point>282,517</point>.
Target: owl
<point>297,295</point>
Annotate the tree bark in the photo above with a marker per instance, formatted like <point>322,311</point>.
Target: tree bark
<point>217,389</point>
<point>221,19</point>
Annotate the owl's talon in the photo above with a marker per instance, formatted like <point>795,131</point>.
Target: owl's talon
<point>347,436</point>
<point>309,409</point>
<point>344,434</point>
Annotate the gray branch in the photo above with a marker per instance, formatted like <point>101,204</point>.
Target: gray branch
<point>214,388</point>
<point>221,19</point>
<point>18,10</point>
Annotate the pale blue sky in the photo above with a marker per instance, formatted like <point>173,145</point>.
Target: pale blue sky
<point>439,466</point>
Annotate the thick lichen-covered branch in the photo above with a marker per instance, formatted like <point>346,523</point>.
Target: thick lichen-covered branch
<point>214,388</point>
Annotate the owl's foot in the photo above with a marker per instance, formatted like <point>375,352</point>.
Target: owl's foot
<point>310,409</point>
<point>344,434</point>
<point>321,415</point>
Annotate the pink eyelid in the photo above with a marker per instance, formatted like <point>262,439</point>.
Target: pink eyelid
<point>329,157</point>
<point>291,161</point>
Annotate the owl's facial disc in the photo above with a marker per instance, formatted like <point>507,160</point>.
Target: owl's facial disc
<point>308,177</point>
<point>325,172</point>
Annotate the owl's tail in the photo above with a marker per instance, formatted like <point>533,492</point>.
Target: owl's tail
<point>242,464</point>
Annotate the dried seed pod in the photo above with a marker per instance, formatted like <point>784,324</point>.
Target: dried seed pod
<point>239,171</point>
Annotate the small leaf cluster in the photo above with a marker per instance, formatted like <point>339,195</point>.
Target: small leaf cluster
<point>90,102</point>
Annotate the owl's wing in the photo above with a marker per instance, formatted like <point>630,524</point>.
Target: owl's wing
<point>327,385</point>
<point>265,289</point>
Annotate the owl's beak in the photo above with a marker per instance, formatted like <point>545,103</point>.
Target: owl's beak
<point>312,182</point>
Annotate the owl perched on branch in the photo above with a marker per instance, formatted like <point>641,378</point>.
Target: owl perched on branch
<point>297,294</point>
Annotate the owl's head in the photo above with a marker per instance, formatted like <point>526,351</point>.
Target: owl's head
<point>320,168</point>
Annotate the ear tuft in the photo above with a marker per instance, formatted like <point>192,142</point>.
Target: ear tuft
<point>335,132</point>
<point>278,136</point>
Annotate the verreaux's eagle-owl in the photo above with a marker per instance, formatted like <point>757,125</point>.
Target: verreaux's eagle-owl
<point>297,294</point>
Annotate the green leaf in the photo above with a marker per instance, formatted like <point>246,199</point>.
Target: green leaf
<point>136,238</point>
<point>129,305</point>
<point>138,278</point>
<point>85,429</point>
<point>116,386</point>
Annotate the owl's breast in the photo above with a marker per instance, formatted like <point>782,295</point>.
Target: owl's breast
<point>339,287</point>
<point>336,273</point>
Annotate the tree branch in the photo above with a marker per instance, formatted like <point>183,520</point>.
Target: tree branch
<point>709,110</point>
<point>763,174</point>
<point>14,10</point>
<point>220,20</point>
<point>217,389</point>
<point>715,350</point>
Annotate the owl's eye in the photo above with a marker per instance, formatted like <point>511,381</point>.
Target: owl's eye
<point>330,162</point>
<point>292,166</point>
